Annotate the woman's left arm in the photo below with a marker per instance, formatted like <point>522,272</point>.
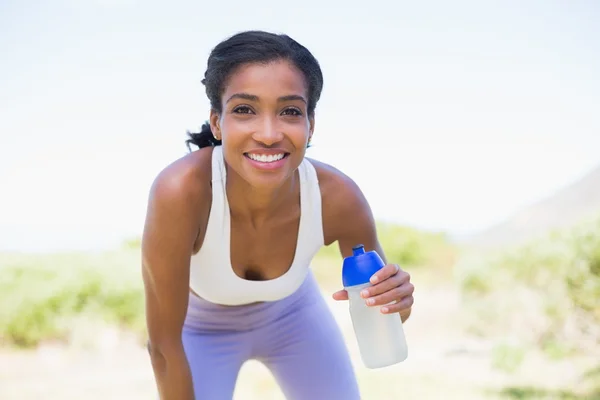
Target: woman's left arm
<point>355,225</point>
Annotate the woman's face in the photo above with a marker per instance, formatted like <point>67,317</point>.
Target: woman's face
<point>264,124</point>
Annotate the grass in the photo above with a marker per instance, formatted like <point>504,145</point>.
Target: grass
<point>544,293</point>
<point>540,296</point>
<point>43,296</point>
<point>508,357</point>
<point>407,246</point>
<point>533,393</point>
<point>588,389</point>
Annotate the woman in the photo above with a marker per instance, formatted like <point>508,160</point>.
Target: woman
<point>232,227</point>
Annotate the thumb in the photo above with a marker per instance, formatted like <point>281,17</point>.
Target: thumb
<point>340,295</point>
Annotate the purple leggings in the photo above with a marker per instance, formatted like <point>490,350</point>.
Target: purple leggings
<point>296,338</point>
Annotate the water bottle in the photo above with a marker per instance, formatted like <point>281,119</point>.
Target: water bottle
<point>380,337</point>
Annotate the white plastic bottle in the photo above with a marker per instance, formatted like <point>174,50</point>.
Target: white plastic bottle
<point>380,337</point>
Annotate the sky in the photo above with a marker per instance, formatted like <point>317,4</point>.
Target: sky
<point>449,115</point>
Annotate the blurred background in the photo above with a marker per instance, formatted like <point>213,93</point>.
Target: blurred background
<point>472,127</point>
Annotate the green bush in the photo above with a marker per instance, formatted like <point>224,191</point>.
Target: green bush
<point>547,290</point>
<point>410,248</point>
<point>45,297</point>
<point>404,245</point>
<point>507,357</point>
<point>41,296</point>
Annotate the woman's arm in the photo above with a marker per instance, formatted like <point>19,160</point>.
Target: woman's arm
<point>171,228</point>
<point>348,218</point>
<point>358,227</point>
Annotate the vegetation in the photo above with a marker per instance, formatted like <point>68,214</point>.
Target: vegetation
<point>544,293</point>
<point>43,296</point>
<point>540,296</point>
<point>404,245</point>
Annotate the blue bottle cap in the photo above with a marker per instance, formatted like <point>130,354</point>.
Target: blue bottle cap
<point>358,268</point>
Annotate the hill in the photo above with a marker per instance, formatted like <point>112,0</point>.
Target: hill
<point>568,206</point>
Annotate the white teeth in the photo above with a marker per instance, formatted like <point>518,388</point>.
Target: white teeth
<point>266,158</point>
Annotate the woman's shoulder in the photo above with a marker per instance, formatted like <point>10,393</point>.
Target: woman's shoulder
<point>334,184</point>
<point>187,178</point>
<point>342,199</point>
<point>332,179</point>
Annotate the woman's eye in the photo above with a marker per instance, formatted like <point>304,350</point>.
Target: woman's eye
<point>292,111</point>
<point>242,110</point>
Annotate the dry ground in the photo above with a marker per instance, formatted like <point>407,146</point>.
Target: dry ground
<point>443,364</point>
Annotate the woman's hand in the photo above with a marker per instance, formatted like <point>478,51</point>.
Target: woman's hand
<point>390,285</point>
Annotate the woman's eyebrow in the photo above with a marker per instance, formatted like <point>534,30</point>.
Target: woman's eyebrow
<point>252,97</point>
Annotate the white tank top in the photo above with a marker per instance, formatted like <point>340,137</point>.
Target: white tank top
<point>211,274</point>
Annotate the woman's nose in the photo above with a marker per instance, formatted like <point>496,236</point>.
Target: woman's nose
<point>268,133</point>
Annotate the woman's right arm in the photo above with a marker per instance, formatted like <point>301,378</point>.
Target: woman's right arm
<point>174,214</point>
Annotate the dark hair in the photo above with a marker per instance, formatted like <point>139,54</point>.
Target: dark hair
<point>253,47</point>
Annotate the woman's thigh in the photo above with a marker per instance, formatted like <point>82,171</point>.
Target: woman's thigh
<point>306,353</point>
<point>215,360</point>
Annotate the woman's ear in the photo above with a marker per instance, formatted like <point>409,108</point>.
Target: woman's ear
<point>215,124</point>
<point>311,129</point>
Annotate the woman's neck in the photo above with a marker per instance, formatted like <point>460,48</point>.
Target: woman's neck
<point>258,205</point>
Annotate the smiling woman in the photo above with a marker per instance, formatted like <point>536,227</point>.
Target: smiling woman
<point>265,118</point>
<point>232,227</point>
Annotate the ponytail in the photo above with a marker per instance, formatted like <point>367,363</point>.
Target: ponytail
<point>202,139</point>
